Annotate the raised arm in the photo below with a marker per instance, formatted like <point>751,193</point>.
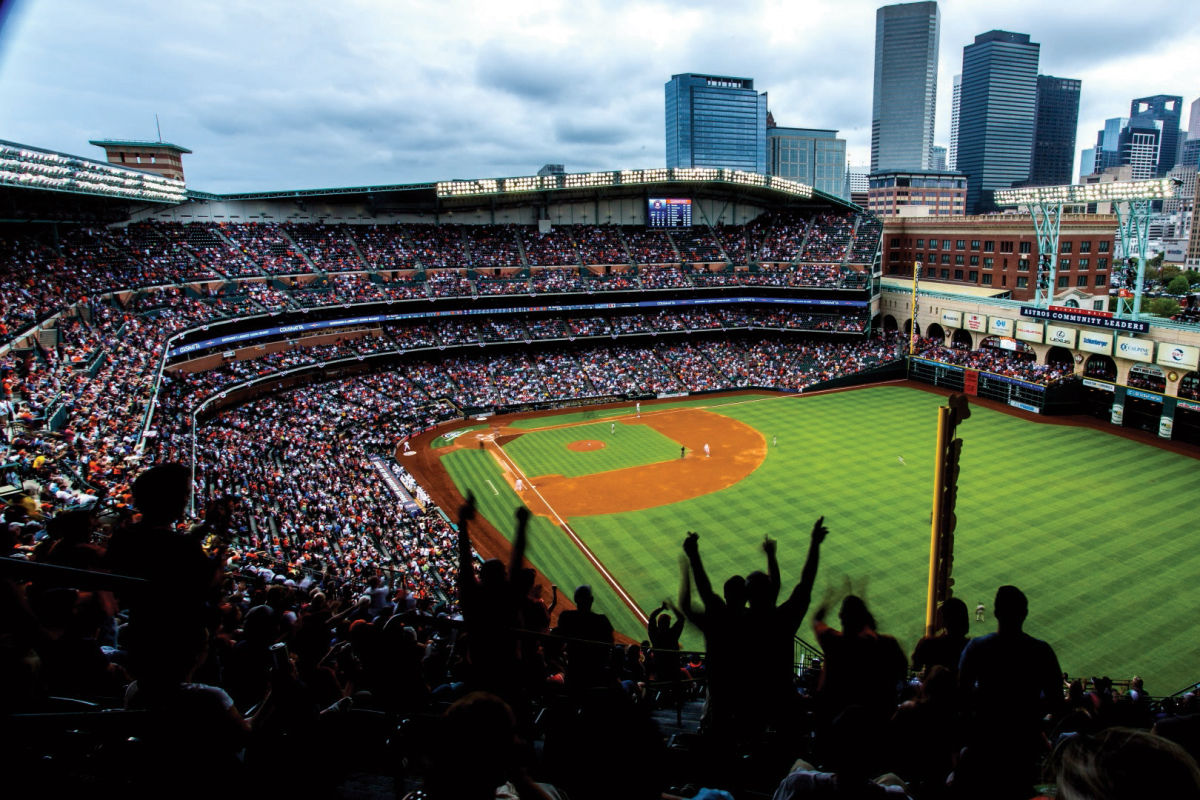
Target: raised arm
<point>691,546</point>
<point>685,591</point>
<point>466,567</point>
<point>519,542</point>
<point>797,603</point>
<point>769,546</point>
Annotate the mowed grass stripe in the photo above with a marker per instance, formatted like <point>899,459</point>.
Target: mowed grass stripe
<point>550,550</point>
<point>628,411</point>
<point>625,445</point>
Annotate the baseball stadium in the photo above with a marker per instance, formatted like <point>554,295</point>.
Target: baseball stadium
<point>355,391</point>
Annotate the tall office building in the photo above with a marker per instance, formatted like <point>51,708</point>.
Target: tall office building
<point>1087,162</point>
<point>937,158</point>
<point>1193,130</point>
<point>1190,156</point>
<point>955,103</point>
<point>810,155</point>
<point>716,121</point>
<point>1108,144</point>
<point>906,60</point>
<point>1141,146</point>
<point>1053,158</point>
<point>997,114</point>
<point>1167,109</point>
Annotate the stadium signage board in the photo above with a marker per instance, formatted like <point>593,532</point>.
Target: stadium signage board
<point>952,318</point>
<point>261,333</point>
<point>1101,385</point>
<point>1024,406</point>
<point>975,322</point>
<point>1135,349</point>
<point>1178,355</point>
<point>1030,331</point>
<point>1001,326</point>
<point>1140,395</point>
<point>1060,335</point>
<point>1073,315</point>
<point>1087,312</point>
<point>1096,342</point>
<point>1186,404</point>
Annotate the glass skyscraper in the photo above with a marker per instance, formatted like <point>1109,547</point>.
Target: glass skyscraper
<point>716,121</point>
<point>809,155</point>
<point>1167,110</point>
<point>997,114</point>
<point>1053,160</point>
<point>906,60</point>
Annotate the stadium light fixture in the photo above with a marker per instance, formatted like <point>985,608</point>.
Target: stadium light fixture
<point>41,169</point>
<point>1113,191</point>
<point>627,177</point>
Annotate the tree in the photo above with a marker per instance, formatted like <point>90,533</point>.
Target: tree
<point>1193,277</point>
<point>1163,306</point>
<point>1177,285</point>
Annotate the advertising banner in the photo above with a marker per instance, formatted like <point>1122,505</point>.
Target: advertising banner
<point>1029,331</point>
<point>1091,384</point>
<point>952,319</point>
<point>1061,336</point>
<point>1178,355</point>
<point>975,322</point>
<point>1135,349</point>
<point>1096,342</point>
<point>1001,326</point>
<point>1141,395</point>
<point>971,382</point>
<point>1077,316</point>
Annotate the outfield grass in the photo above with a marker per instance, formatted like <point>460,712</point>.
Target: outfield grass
<point>593,414</point>
<point>545,452</point>
<point>1097,530</point>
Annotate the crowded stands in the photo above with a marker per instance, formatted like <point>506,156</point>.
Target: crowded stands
<point>325,616</point>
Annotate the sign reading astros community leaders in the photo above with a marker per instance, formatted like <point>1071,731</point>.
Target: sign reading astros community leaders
<point>1077,316</point>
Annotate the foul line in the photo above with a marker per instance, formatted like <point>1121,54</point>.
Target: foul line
<point>608,576</point>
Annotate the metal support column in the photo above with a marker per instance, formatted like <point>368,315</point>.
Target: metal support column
<point>1133,229</point>
<point>1046,219</point>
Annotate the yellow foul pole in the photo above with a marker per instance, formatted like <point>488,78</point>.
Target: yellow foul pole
<point>935,526</point>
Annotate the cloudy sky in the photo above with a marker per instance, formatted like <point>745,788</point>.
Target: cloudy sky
<point>298,94</point>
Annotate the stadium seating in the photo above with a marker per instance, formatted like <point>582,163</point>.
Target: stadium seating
<point>323,549</point>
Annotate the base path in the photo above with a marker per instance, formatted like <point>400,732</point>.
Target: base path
<point>736,451</point>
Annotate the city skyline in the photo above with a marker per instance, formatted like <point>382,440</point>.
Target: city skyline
<point>327,95</point>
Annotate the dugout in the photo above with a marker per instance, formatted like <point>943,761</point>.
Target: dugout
<point>1144,398</point>
<point>1099,378</point>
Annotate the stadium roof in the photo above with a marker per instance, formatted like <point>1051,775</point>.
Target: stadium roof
<point>137,143</point>
<point>567,186</point>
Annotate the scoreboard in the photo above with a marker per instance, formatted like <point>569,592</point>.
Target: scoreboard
<point>668,212</point>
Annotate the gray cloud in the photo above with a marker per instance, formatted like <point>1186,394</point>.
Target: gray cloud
<point>298,94</point>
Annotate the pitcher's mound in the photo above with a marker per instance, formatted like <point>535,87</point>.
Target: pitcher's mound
<point>586,445</point>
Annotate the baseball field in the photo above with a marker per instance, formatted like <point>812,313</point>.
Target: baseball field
<point>1097,529</point>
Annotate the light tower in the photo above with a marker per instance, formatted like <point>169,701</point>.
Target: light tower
<point>1132,201</point>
